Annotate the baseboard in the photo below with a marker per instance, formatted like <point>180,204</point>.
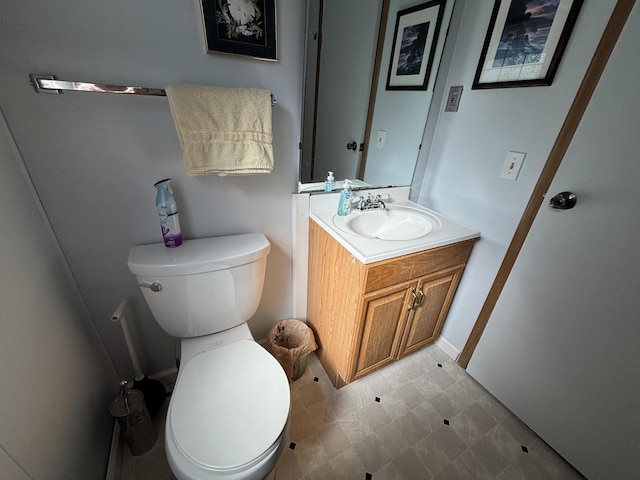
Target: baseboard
<point>447,347</point>
<point>115,458</point>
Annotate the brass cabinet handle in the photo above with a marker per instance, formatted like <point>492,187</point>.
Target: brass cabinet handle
<point>414,299</point>
<point>420,298</point>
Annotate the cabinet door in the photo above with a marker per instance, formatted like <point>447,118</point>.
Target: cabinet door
<point>435,293</point>
<point>381,323</point>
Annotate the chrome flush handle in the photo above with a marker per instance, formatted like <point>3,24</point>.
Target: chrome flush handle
<point>154,287</point>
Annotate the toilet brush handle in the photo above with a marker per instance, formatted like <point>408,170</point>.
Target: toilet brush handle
<point>124,391</point>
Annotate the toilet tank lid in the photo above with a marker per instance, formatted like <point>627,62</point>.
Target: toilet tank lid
<point>197,256</point>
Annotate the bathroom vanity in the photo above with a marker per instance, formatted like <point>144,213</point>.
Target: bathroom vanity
<point>373,301</point>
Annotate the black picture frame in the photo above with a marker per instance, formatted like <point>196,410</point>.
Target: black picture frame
<point>524,45</point>
<point>414,46</point>
<point>241,27</point>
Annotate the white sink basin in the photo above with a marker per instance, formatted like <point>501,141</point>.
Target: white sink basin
<point>395,222</point>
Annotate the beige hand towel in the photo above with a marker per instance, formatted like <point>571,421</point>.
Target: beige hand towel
<point>223,131</point>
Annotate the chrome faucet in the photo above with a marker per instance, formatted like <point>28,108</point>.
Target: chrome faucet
<point>371,202</point>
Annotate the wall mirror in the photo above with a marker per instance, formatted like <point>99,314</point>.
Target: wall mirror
<point>352,124</point>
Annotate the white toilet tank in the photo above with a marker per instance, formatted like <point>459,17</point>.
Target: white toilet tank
<point>203,286</point>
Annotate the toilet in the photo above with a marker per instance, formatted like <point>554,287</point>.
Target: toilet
<point>228,414</point>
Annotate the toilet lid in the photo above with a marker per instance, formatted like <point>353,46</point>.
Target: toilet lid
<point>229,406</point>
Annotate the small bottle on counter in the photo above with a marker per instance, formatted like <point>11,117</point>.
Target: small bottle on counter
<point>330,183</point>
<point>344,206</point>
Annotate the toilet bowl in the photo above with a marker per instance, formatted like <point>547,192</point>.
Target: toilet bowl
<point>228,414</point>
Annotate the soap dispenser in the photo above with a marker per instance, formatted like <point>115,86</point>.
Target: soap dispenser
<point>344,207</point>
<point>330,183</point>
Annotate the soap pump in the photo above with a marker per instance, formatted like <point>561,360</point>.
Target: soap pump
<point>330,183</point>
<point>344,207</point>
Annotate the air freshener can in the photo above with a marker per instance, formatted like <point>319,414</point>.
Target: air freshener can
<point>168,214</point>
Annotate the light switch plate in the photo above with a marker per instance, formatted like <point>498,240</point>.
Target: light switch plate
<point>382,137</point>
<point>512,165</point>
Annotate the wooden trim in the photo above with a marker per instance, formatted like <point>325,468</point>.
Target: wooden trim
<point>599,61</point>
<point>316,93</point>
<point>374,89</point>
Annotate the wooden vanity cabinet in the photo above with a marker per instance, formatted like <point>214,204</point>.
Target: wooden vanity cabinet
<point>366,316</point>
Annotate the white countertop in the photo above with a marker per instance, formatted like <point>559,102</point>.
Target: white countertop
<point>369,250</point>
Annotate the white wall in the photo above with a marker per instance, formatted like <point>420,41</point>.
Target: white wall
<point>56,379</point>
<point>94,157</point>
<point>469,147</point>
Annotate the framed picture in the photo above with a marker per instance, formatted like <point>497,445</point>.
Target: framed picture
<point>241,27</point>
<point>414,46</point>
<point>525,42</point>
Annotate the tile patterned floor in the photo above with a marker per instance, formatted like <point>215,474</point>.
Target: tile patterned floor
<point>422,417</point>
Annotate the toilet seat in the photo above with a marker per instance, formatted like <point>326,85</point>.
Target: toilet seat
<point>229,409</point>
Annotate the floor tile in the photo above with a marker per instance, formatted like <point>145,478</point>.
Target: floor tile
<point>376,416</point>
<point>371,454</point>
<point>334,440</point>
<point>421,417</point>
<point>409,466</point>
<point>392,440</point>
<point>410,395</point>
<point>347,465</point>
<point>466,429</point>
<point>412,427</point>
<point>489,455</point>
<point>311,454</point>
<point>465,467</point>
<point>288,468</point>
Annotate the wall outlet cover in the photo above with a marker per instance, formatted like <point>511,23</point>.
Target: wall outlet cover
<point>453,100</point>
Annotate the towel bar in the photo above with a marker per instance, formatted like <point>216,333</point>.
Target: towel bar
<point>49,84</point>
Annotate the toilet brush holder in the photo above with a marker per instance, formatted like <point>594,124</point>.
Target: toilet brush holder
<point>134,420</point>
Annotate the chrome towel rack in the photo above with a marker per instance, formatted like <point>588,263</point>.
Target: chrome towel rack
<point>50,84</point>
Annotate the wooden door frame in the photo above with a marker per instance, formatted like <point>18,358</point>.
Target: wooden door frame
<point>591,78</point>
